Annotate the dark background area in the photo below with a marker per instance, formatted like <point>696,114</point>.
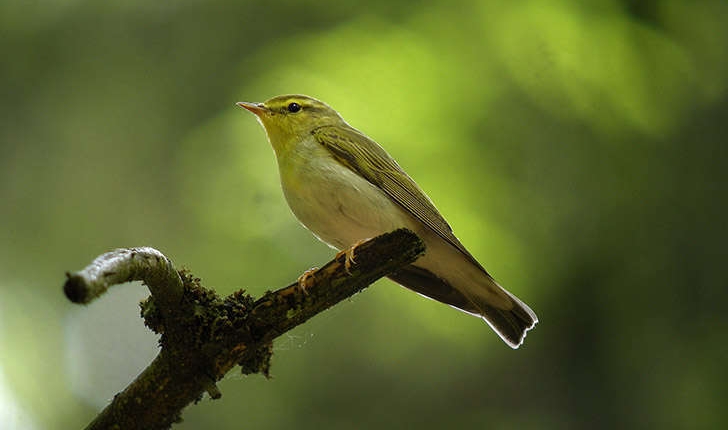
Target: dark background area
<point>577,149</point>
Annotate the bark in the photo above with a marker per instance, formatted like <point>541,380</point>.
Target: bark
<point>204,336</point>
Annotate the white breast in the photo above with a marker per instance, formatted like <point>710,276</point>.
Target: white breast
<point>335,203</point>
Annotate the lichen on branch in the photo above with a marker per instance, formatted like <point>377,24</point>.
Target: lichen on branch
<point>204,335</point>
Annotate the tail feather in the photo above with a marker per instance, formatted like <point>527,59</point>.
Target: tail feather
<point>510,324</point>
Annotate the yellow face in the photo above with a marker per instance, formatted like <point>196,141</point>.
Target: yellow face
<point>290,118</point>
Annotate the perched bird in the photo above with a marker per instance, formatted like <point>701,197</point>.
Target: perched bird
<point>345,188</point>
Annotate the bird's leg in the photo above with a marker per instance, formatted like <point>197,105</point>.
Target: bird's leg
<point>306,279</point>
<point>349,254</point>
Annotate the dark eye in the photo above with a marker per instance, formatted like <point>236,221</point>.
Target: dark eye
<point>294,107</point>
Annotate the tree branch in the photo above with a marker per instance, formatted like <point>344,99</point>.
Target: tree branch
<point>125,265</point>
<point>204,336</point>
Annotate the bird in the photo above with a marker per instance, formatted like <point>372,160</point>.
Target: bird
<point>345,188</point>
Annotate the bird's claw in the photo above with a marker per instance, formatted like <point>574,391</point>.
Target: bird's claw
<point>349,255</point>
<point>306,279</point>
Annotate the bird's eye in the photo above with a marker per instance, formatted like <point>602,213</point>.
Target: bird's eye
<point>294,107</point>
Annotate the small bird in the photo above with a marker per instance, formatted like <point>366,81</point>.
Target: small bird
<point>344,188</point>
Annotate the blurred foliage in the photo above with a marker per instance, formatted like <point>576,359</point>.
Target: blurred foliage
<point>578,149</point>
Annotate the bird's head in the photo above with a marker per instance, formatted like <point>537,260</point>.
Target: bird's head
<point>288,119</point>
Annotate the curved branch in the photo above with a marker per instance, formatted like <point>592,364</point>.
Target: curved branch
<point>204,336</point>
<point>125,265</point>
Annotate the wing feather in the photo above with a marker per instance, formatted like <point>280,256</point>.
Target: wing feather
<point>364,156</point>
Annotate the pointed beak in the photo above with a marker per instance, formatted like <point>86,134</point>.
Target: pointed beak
<point>256,108</point>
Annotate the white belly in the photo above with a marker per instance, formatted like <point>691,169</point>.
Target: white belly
<point>336,204</point>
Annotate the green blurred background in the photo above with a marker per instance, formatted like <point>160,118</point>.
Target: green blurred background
<point>577,148</point>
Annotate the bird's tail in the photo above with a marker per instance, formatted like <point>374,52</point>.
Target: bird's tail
<point>511,324</point>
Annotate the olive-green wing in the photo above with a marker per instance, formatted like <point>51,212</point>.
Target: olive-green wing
<point>364,156</point>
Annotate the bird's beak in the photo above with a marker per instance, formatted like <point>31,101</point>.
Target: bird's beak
<point>256,108</point>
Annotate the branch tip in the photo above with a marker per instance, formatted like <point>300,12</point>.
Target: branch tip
<point>75,288</point>
<point>213,391</point>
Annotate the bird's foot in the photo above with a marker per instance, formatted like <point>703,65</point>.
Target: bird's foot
<point>306,279</point>
<point>349,255</point>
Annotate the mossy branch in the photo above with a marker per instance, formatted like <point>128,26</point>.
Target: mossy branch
<point>204,336</point>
